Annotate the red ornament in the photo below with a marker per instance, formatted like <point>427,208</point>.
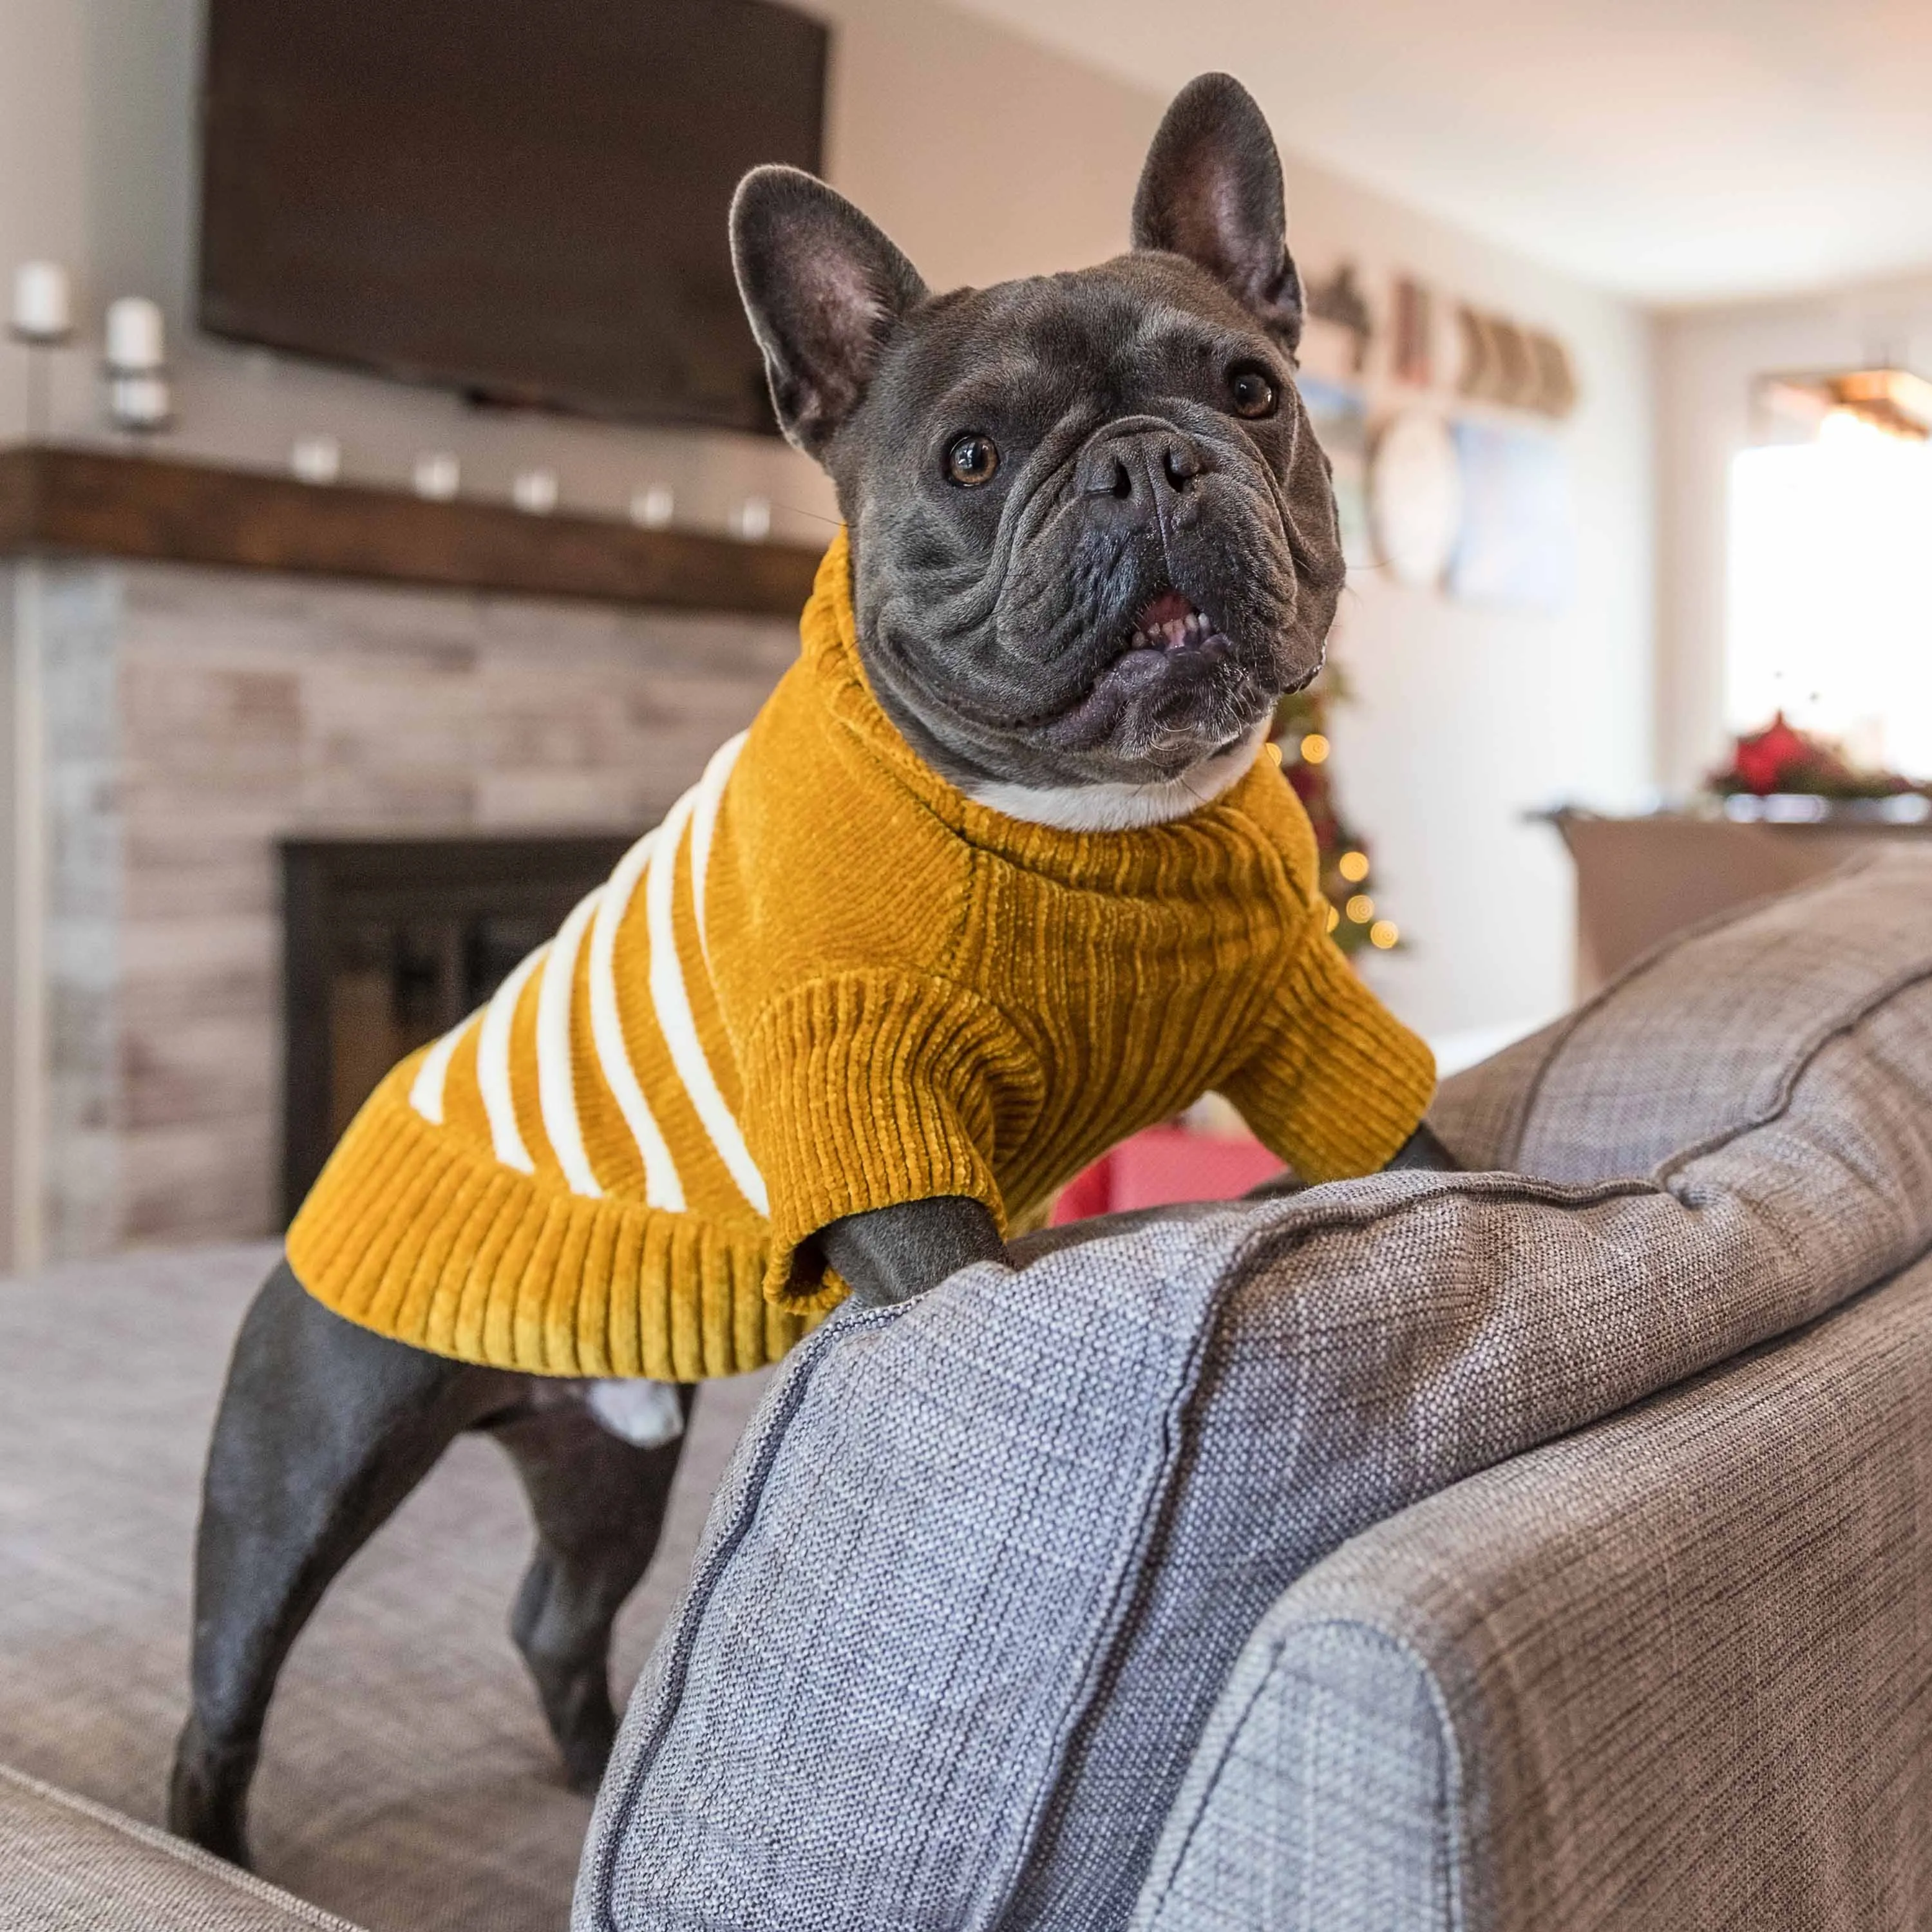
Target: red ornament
<point>1766,761</point>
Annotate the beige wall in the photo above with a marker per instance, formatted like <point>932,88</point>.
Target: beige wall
<point>985,156</point>
<point>1707,360</point>
<point>1468,718</point>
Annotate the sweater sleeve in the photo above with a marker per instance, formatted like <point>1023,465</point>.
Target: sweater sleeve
<point>861,1090</point>
<point>1336,1083</point>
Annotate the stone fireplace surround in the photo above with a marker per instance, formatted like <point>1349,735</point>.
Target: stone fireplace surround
<point>169,724</point>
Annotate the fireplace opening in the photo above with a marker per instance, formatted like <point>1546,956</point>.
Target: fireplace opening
<point>389,942</point>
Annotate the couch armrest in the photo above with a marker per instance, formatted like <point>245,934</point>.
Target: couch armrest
<point>1667,1672</point>
<point>69,1865</point>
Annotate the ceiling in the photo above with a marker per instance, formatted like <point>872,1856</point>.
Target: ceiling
<point>1675,151</point>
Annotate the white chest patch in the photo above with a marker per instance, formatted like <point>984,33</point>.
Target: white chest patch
<point>1125,807</point>
<point>645,1414</point>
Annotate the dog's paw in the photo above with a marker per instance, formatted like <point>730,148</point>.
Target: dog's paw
<point>208,1796</point>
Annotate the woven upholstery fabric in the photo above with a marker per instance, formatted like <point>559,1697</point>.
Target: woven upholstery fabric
<point>1667,1675</point>
<point>67,1865</point>
<point>407,1781</point>
<point>984,1562</point>
<point>1326,1792</point>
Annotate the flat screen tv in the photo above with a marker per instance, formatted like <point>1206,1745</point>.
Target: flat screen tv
<point>524,200</point>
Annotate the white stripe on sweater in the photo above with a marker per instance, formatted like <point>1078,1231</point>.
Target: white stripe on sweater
<point>662,1187</point>
<point>672,1004</point>
<point>426,1090</point>
<point>556,1086</point>
<point>493,1067</point>
<point>703,823</point>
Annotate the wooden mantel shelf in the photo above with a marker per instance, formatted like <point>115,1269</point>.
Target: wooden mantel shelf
<point>83,501</point>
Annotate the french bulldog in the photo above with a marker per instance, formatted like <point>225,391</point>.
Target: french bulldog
<point>1093,543</point>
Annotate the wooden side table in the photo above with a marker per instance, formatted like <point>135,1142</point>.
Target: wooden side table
<point>1639,880</point>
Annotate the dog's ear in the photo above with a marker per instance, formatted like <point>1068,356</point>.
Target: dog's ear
<point>824,289</point>
<point>1211,190</point>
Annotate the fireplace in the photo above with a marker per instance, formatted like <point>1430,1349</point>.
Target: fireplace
<point>389,942</point>
<point>431,758</point>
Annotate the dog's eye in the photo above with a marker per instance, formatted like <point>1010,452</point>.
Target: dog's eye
<point>971,461</point>
<point>1253,393</point>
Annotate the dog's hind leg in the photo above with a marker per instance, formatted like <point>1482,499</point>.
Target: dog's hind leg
<point>599,1504</point>
<point>323,1429</point>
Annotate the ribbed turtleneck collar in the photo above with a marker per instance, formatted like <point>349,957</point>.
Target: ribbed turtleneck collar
<point>1155,858</point>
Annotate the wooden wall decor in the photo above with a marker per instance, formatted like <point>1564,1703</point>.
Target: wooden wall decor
<point>1516,367</point>
<point>1410,361</point>
<point>1339,301</point>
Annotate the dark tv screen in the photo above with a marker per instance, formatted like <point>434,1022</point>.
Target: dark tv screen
<point>522,200</point>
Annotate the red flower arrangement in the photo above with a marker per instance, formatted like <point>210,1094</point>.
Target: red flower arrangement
<point>1781,758</point>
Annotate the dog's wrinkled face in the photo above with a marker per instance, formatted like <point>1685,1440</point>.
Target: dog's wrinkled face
<point>1093,537</point>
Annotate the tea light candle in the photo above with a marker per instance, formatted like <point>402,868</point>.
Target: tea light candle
<point>437,475</point>
<point>136,338</point>
<point>42,303</point>
<point>316,459</point>
<point>535,491</point>
<point>653,508</point>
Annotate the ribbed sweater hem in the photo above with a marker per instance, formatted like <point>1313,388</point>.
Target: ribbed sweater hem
<point>437,1244</point>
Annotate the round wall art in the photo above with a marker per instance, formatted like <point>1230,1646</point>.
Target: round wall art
<point>1415,497</point>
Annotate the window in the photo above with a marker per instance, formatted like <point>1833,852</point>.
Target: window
<point>1830,592</point>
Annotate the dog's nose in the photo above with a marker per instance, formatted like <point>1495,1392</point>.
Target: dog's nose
<point>1131,473</point>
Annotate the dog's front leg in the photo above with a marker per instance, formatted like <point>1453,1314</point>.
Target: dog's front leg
<point>894,1253</point>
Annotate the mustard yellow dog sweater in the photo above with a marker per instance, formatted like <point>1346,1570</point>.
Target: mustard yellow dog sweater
<point>828,982</point>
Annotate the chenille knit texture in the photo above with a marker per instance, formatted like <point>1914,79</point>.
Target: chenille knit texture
<point>830,983</point>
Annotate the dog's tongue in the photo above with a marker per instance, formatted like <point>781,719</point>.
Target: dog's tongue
<point>1164,609</point>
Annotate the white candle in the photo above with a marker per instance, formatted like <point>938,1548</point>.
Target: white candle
<point>317,459</point>
<point>534,491</point>
<point>135,342</point>
<point>437,475</point>
<point>653,508</point>
<point>43,302</point>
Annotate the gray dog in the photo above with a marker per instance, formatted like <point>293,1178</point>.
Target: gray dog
<point>1092,544</point>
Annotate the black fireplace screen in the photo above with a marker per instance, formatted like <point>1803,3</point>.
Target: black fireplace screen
<point>388,943</point>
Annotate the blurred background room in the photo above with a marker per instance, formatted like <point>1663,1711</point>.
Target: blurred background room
<point>390,524</point>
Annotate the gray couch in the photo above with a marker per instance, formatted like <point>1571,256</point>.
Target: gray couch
<point>1623,1619</point>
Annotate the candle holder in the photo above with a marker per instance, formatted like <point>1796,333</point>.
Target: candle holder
<point>41,321</point>
<point>140,402</point>
<point>40,352</point>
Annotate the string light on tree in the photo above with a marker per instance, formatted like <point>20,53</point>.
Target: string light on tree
<point>1302,747</point>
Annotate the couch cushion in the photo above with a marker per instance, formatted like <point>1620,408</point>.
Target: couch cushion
<point>67,1865</point>
<point>1666,1673</point>
<point>983,1561</point>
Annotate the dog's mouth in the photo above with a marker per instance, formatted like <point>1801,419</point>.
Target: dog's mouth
<point>1167,682</point>
<point>1167,624</point>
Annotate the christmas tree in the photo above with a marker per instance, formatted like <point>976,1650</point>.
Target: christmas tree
<point>1347,874</point>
